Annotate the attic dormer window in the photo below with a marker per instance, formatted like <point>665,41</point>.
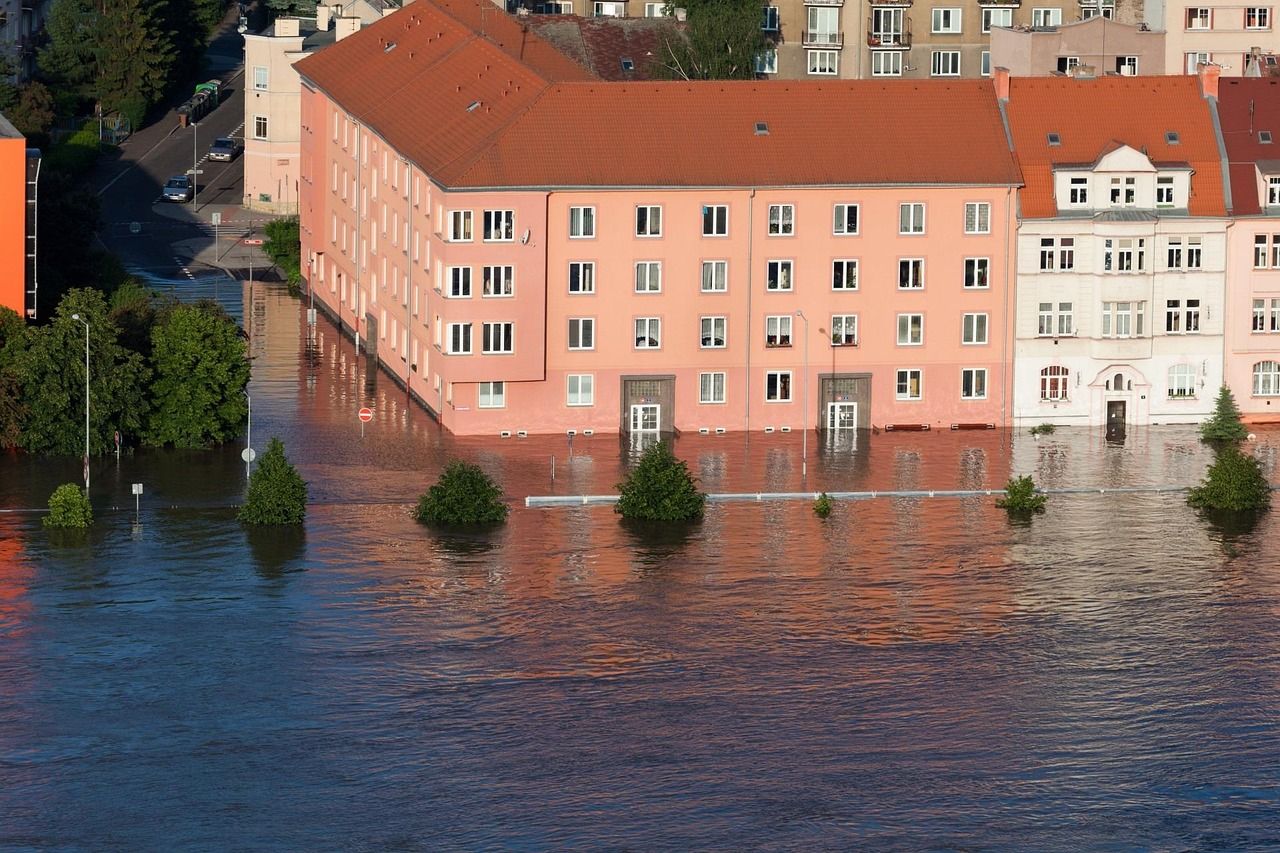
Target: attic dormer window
<point>1055,139</point>
<point>762,128</point>
<point>1171,137</point>
<point>1264,136</point>
<point>628,64</point>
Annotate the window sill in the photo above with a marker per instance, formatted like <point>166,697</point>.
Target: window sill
<point>843,344</point>
<point>777,346</point>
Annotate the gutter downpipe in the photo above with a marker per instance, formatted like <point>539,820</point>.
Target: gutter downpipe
<point>751,209</point>
<point>359,295</point>
<point>1005,378</point>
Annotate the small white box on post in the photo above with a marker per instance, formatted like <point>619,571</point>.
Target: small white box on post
<point>137,498</point>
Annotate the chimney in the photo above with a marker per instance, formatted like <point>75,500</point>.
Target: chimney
<point>346,26</point>
<point>324,16</point>
<point>286,27</point>
<point>1000,76</point>
<point>1209,73</point>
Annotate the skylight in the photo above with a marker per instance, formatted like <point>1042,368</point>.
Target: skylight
<point>628,64</point>
<point>1055,139</point>
<point>1264,136</point>
<point>762,128</point>
<point>1171,137</point>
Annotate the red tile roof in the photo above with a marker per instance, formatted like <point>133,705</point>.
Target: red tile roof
<point>507,109</point>
<point>1245,106</point>
<point>1092,115</point>
<point>601,44</point>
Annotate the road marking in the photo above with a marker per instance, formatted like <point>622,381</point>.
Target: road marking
<point>183,266</point>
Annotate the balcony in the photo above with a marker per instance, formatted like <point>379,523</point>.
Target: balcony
<point>821,39</point>
<point>824,2</point>
<point>890,2</point>
<point>889,39</point>
<point>1005,3</point>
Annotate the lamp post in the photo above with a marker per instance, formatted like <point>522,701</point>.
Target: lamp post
<point>804,457</point>
<point>86,399</point>
<point>195,157</point>
<point>248,436</point>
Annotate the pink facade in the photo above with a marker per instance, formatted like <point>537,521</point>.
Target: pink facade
<point>1253,317</point>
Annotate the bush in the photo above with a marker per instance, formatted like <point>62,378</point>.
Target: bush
<point>69,508</point>
<point>1020,495</point>
<point>277,493</point>
<point>660,489</point>
<point>284,247</point>
<point>76,154</point>
<point>463,495</point>
<point>1043,429</point>
<point>1224,424</point>
<point>823,505</point>
<point>1234,482</point>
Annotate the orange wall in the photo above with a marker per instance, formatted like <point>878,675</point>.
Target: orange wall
<point>13,202</point>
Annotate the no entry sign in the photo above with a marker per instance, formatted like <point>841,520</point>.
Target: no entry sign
<point>366,414</point>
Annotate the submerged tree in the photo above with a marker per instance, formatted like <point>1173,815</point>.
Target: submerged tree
<point>1021,497</point>
<point>1224,424</point>
<point>1233,483</point>
<point>660,489</point>
<point>69,508</point>
<point>464,495</point>
<point>277,493</point>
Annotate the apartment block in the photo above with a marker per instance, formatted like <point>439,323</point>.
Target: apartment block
<point>1231,35</point>
<point>19,169</point>
<point>1094,47</point>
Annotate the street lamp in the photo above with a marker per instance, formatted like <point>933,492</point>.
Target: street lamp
<point>248,436</point>
<point>86,400</point>
<point>804,459</point>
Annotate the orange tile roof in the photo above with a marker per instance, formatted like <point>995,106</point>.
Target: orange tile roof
<point>508,110</point>
<point>1246,106</point>
<point>1092,115</point>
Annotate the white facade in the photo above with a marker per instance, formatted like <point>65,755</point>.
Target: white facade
<point>1120,299</point>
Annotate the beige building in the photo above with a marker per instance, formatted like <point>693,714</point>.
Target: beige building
<point>1226,34</point>
<point>1098,45</point>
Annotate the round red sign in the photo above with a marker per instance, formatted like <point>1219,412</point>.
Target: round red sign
<point>366,414</point>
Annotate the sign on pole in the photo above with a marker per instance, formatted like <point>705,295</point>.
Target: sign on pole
<point>252,241</point>
<point>217,219</point>
<point>137,498</point>
<point>366,415</point>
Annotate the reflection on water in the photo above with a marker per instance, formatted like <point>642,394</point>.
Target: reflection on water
<point>908,673</point>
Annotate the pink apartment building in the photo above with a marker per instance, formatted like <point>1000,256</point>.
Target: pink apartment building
<point>526,248</point>
<point>1249,109</point>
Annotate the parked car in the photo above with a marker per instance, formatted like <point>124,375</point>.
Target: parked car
<point>178,188</point>
<point>224,148</point>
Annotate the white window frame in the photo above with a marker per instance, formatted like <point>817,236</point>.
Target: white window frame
<point>840,219</point>
<point>980,212</point>
<point>460,283</point>
<point>649,331</point>
<point>491,395</point>
<point>844,330</point>
<point>903,376</point>
<point>910,330</point>
<point>580,389</point>
<point>708,325</point>
<point>844,275</point>
<point>769,19</point>
<point>970,379</point>
<point>1273,190</point>
<point>823,63</point>
<point>989,13</point>
<point>586,331</point>
<point>1181,382</point>
<point>260,127</point>
<point>497,226</point>
<point>648,277</point>
<point>782,381</point>
<point>1266,378</point>
<point>947,19</point>
<point>780,275</point>
<point>766,61</point>
<point>1199,18</point>
<point>1055,382</point>
<point>1260,16</point>
<point>782,220</point>
<point>459,339</point>
<point>648,214</point>
<point>461,226</point>
<point>944,63</point>
<point>586,277</point>
<point>912,217</point>
<point>977,273</point>
<point>498,281</point>
<point>975,329</point>
<point>1046,16</point>
<point>498,337</point>
<point>714,272</point>
<point>582,222</point>
<point>915,279</point>
<point>711,387</point>
<point>778,330</point>
<point>886,63</point>
<point>261,78</point>
<point>716,218</point>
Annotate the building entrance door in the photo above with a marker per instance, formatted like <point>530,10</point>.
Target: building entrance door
<point>842,416</point>
<point>1115,418</point>
<point>646,417</point>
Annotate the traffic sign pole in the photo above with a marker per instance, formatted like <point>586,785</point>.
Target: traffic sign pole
<point>365,414</point>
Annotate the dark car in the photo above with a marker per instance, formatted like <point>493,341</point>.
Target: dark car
<point>224,148</point>
<point>178,188</point>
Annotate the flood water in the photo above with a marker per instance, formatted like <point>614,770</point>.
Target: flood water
<point>908,674</point>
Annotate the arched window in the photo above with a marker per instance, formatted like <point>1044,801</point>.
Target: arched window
<point>1182,381</point>
<point>1266,379</point>
<point>1053,383</point>
<point>1117,384</point>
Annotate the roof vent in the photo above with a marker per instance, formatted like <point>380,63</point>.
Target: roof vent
<point>390,47</point>
<point>1055,139</point>
<point>1264,136</point>
<point>1171,137</point>
<point>473,106</point>
<point>628,64</point>
<point>762,128</point>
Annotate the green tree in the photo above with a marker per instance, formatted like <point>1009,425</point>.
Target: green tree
<point>69,58</point>
<point>720,42</point>
<point>69,507</point>
<point>660,489</point>
<point>1020,496</point>
<point>133,310</point>
<point>463,495</point>
<point>277,493</point>
<point>284,247</point>
<point>13,340</point>
<point>200,368</point>
<point>52,368</point>
<point>134,57</point>
<point>1224,424</point>
<point>1233,483</point>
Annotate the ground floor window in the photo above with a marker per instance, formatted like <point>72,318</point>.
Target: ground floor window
<point>493,395</point>
<point>1266,379</point>
<point>1053,383</point>
<point>973,383</point>
<point>777,386</point>
<point>711,387</point>
<point>1182,381</point>
<point>582,389</point>
<point>910,384</point>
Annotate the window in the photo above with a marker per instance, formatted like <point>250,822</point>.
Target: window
<point>1055,324</point>
<point>460,226</point>
<point>499,338</point>
<point>499,281</point>
<point>977,272</point>
<point>777,386</point>
<point>582,277</point>
<point>844,330</point>
<point>910,330</point>
<point>778,276</point>
<point>610,10</point>
<point>711,387</point>
<point>715,276</point>
<point>1266,379</point>
<point>1079,192</point>
<point>492,395</point>
<point>499,226</point>
<point>977,217</point>
<point>714,332</point>
<point>1065,64</point>
<point>648,333</point>
<point>996,18</point>
<point>910,273</point>
<point>459,282</point>
<point>1124,255</point>
<point>824,62</point>
<point>985,63</point>
<point>1164,191</point>
<point>582,389</point>
<point>777,331</point>
<point>582,222</point>
<point>1255,18</point>
<point>1127,66</point>
<point>909,385</point>
<point>260,78</point>
<point>1194,60</point>
<point>1273,191</point>
<point>886,63</point>
<point>844,275</point>
<point>648,220</point>
<point>1261,255</point>
<point>1265,320</point>
<point>973,383</point>
<point>715,220</point>
<point>1182,381</point>
<point>1180,317</point>
<point>946,21</point>
<point>1122,319</point>
<point>770,21</point>
<point>1184,253</point>
<point>649,277</point>
<point>1046,17</point>
<point>846,219</point>
<point>582,333</point>
<point>654,10</point>
<point>974,329</point>
<point>946,63</point>
<point>782,219</point>
<point>911,218</point>
<point>1199,18</point>
<point>259,127</point>
<point>460,339</point>
<point>767,61</point>
<point>1124,192</point>
<point>1053,383</point>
